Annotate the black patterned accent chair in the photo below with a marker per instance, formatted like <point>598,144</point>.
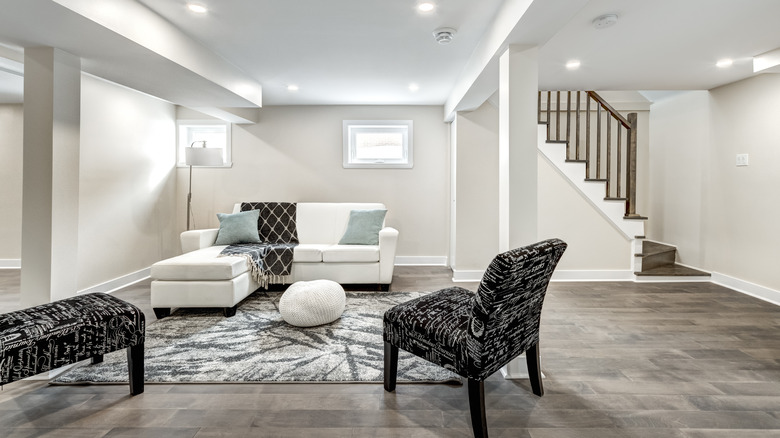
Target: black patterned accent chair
<point>475,334</point>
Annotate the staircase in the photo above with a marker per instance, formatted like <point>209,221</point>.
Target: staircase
<point>656,259</point>
<point>591,139</point>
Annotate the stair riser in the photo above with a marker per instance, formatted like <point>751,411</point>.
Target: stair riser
<point>658,260</point>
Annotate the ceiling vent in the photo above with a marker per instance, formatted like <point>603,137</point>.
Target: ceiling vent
<point>444,35</point>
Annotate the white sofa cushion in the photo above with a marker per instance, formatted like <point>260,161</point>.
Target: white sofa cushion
<point>203,264</point>
<point>351,254</point>
<point>308,253</point>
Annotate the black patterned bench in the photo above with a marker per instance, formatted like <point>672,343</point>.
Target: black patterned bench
<point>45,337</point>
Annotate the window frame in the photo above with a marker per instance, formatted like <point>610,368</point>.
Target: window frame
<point>183,124</point>
<point>406,127</point>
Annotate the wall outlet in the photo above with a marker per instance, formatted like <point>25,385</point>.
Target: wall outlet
<point>742,159</point>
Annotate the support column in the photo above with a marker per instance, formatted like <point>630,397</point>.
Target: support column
<point>50,194</point>
<point>517,144</point>
<point>517,140</point>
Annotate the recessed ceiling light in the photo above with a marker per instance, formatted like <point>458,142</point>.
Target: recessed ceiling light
<point>425,7</point>
<point>292,88</point>
<point>573,64</point>
<point>414,87</point>
<point>198,9</point>
<point>723,63</point>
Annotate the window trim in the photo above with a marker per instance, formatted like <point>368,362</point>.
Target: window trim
<point>228,140</point>
<point>350,163</point>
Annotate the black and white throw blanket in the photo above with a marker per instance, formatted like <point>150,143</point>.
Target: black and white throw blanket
<point>270,261</point>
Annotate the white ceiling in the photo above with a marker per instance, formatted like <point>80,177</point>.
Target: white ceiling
<point>369,51</point>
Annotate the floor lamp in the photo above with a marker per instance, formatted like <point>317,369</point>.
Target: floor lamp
<point>201,156</point>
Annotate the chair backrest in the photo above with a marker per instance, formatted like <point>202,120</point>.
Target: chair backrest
<point>508,305</point>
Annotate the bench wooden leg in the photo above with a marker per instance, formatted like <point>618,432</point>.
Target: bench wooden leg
<point>96,359</point>
<point>135,367</point>
<point>162,312</point>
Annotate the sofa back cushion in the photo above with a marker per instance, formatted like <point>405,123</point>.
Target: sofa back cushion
<point>325,222</point>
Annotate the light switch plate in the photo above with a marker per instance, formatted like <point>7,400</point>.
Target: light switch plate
<point>742,159</point>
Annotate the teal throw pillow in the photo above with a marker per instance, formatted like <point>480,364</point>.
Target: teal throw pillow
<point>238,228</point>
<point>363,227</point>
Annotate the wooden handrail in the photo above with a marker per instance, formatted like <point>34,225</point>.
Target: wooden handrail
<point>609,108</point>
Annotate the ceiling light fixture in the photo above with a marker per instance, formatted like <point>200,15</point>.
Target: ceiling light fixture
<point>444,35</point>
<point>573,64</point>
<point>414,87</point>
<point>605,21</point>
<point>425,7</point>
<point>723,63</point>
<point>198,9</point>
<point>292,88</point>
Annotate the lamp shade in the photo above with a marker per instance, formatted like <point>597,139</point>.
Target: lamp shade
<point>201,156</point>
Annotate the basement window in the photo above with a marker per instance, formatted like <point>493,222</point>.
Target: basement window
<point>215,134</point>
<point>377,144</point>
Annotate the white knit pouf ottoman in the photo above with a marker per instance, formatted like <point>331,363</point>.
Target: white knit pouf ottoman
<point>310,303</point>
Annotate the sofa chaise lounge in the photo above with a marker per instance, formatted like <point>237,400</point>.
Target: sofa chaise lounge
<point>201,278</point>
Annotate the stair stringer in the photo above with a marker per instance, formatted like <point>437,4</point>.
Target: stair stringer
<point>593,191</point>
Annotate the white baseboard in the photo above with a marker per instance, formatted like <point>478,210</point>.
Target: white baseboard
<point>118,283</point>
<point>671,279</point>
<point>747,288</point>
<point>462,275</point>
<point>10,263</point>
<point>593,275</point>
<point>421,260</point>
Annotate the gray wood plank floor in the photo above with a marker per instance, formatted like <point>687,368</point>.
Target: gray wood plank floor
<point>621,360</point>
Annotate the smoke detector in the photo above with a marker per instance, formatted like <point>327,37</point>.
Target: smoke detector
<point>605,21</point>
<point>444,35</point>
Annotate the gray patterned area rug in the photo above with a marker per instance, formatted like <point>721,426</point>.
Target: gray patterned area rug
<point>256,345</point>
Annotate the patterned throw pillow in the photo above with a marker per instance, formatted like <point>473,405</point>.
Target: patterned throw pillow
<point>363,227</point>
<point>238,228</point>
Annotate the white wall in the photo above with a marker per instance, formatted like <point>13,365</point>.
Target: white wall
<point>476,179</point>
<point>295,154</point>
<point>680,143</point>
<point>11,147</point>
<point>127,198</point>
<point>731,211</point>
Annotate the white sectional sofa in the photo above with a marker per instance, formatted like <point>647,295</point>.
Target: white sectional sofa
<point>199,278</point>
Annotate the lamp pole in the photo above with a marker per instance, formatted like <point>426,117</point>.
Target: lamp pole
<point>189,193</point>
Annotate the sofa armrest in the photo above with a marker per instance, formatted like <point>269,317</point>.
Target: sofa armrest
<point>388,242</point>
<point>197,239</point>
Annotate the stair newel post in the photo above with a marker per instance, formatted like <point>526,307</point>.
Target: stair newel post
<point>587,137</point>
<point>631,166</point>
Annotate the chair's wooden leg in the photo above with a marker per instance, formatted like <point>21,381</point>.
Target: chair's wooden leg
<point>162,312</point>
<point>391,366</point>
<point>230,311</point>
<point>477,406</point>
<point>135,368</point>
<point>534,369</point>
<point>96,359</point>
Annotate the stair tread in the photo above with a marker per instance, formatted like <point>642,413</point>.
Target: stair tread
<point>595,180</point>
<point>557,141</point>
<point>673,271</point>
<point>576,161</point>
<point>614,199</point>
